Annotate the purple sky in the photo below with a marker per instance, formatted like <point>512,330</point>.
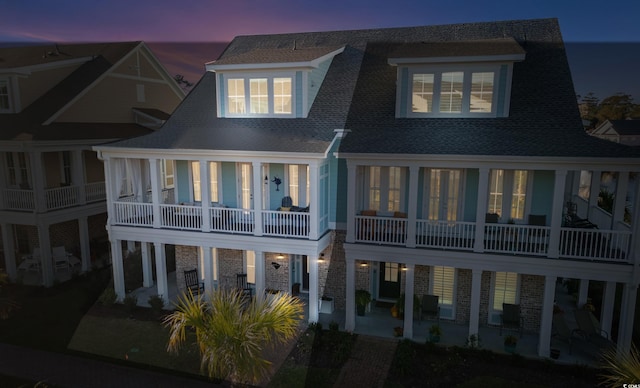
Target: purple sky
<point>207,21</point>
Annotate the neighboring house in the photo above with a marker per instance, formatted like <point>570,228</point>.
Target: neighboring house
<point>438,160</point>
<point>56,102</point>
<point>619,131</point>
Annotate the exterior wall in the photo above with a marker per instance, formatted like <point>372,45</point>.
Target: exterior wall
<point>229,264</point>
<point>93,167</point>
<point>186,259</point>
<point>332,275</point>
<point>276,279</point>
<point>28,233</point>
<point>39,82</point>
<point>51,166</point>
<point>463,295</point>
<point>531,298</point>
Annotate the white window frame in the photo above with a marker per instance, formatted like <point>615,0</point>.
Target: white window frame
<point>22,172</point>
<point>437,71</point>
<point>249,266</point>
<point>214,184</point>
<point>244,202</point>
<point>384,188</point>
<point>164,176</point>
<point>9,108</point>
<point>507,194</point>
<point>270,77</point>
<point>495,311</point>
<point>447,311</point>
<point>426,205</point>
<point>298,191</point>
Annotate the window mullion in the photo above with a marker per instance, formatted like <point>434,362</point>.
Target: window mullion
<point>466,92</point>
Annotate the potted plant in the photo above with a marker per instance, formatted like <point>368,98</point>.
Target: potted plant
<point>510,342</point>
<point>363,297</point>
<point>398,331</point>
<point>434,334</point>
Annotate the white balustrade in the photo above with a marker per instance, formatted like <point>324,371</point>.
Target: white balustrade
<point>181,216</point>
<point>595,244</point>
<point>18,199</point>
<point>95,192</point>
<point>516,239</point>
<point>285,224</point>
<point>133,213</point>
<point>445,234</point>
<point>381,230</point>
<point>61,197</point>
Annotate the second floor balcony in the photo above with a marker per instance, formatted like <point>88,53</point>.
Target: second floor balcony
<point>53,198</point>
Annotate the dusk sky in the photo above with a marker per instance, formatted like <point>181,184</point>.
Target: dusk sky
<point>603,38</point>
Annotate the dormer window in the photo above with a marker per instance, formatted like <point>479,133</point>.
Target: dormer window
<point>259,96</point>
<point>5,98</point>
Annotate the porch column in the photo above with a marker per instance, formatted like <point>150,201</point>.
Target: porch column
<point>257,198</point>
<point>147,269</point>
<point>351,209</point>
<point>131,246</point>
<point>9,251</point>
<point>583,292</point>
<point>205,195</point>
<point>77,177</point>
<point>46,265</point>
<point>557,205</point>
<point>474,308</point>
<point>154,175</point>
<point>350,295</point>
<point>608,300</point>
<point>413,206</point>
<point>161,272</point>
<point>544,339</point>
<point>314,295</point>
<point>408,300</point>
<point>620,199</point>
<point>260,273</point>
<point>315,196</point>
<point>627,314</point>
<point>118,269</point>
<point>37,170</point>
<point>481,210</point>
<point>110,188</point>
<point>85,249</point>
<point>596,175</point>
<point>207,270</point>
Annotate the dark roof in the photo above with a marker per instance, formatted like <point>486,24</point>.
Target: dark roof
<point>470,48</point>
<point>359,93</point>
<point>626,127</point>
<point>277,55</point>
<point>28,124</point>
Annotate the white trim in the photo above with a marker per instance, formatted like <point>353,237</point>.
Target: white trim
<point>300,65</point>
<point>247,77</point>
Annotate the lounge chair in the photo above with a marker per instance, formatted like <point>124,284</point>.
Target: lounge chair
<point>192,282</point>
<point>511,318</point>
<point>589,329</point>
<point>561,330</point>
<point>429,307</point>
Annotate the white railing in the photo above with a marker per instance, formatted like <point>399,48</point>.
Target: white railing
<point>517,239</point>
<point>285,224</point>
<point>133,213</point>
<point>595,244</point>
<point>61,197</point>
<point>232,220</point>
<point>445,234</point>
<point>181,217</point>
<point>381,230</point>
<point>95,192</point>
<point>18,199</point>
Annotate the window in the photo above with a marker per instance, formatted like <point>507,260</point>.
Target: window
<point>512,202</point>
<point>245,197</point>
<point>18,170</point>
<point>505,289</point>
<point>166,170</point>
<point>443,187</point>
<point>5,101</point>
<point>298,184</point>
<point>385,188</point>
<point>391,272</point>
<point>213,181</point>
<point>250,266</point>
<point>463,91</point>
<point>443,284</point>
<point>66,167</point>
<point>584,191</point>
<point>259,96</point>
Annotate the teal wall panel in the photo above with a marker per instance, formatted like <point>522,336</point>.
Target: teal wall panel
<point>471,195</point>
<point>182,180</point>
<point>275,197</point>
<point>502,90</point>
<point>229,196</point>
<point>542,194</point>
<point>221,94</point>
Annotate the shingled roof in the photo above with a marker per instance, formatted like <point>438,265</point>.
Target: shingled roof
<point>359,92</point>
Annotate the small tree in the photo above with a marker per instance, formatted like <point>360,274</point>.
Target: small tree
<point>620,370</point>
<point>232,332</point>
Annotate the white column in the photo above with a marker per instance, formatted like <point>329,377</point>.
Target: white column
<point>147,269</point>
<point>544,339</point>
<point>350,295</point>
<point>118,269</point>
<point>620,199</point>
<point>110,188</point>
<point>131,246</point>
<point>412,209</point>
<point>351,209</point>
<point>46,264</point>
<point>608,300</point>
<point>314,200</point>
<point>583,292</point>
<point>481,209</point>
<point>154,175</point>
<point>474,308</point>
<point>161,272</point>
<point>205,195</point>
<point>85,249</point>
<point>38,181</point>
<point>556,213</point>
<point>257,198</point>
<point>314,294</point>
<point>9,250</point>
<point>77,175</point>
<point>207,270</point>
<point>627,314</point>
<point>408,300</point>
<point>595,191</point>
<point>260,273</point>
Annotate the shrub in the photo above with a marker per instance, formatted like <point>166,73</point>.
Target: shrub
<point>334,326</point>
<point>130,302</point>
<point>108,297</point>
<point>157,303</point>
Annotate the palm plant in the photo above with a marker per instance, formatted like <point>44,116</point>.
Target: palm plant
<point>232,332</point>
<point>622,369</point>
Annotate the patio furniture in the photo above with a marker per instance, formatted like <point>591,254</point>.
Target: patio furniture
<point>511,318</point>
<point>560,330</point>
<point>429,307</point>
<point>31,262</point>
<point>60,258</point>
<point>243,285</point>
<point>367,227</point>
<point>192,282</point>
<point>589,329</point>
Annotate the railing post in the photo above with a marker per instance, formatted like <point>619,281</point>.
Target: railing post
<point>481,210</point>
<point>412,209</point>
<point>257,198</point>
<point>78,178</point>
<point>351,203</point>
<point>205,195</point>
<point>556,214</point>
<point>154,175</point>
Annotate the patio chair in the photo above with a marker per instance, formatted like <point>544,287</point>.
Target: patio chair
<point>560,330</point>
<point>60,258</point>
<point>589,329</point>
<point>511,318</point>
<point>192,282</point>
<point>243,285</point>
<point>429,307</point>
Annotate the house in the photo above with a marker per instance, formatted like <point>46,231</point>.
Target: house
<point>445,160</point>
<point>56,102</point>
<point>619,131</point>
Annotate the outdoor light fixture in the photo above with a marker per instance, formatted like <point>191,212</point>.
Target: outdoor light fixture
<point>321,258</point>
<point>266,180</point>
<point>364,264</point>
<point>275,265</point>
<point>280,256</point>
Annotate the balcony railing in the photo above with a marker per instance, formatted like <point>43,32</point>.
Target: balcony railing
<point>18,199</point>
<point>54,198</point>
<point>575,243</point>
<point>133,213</point>
<point>285,224</point>
<point>95,192</point>
<point>61,197</point>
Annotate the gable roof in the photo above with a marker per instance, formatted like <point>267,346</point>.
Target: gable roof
<point>359,92</point>
<point>622,127</point>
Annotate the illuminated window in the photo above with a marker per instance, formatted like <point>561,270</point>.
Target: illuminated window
<point>236,96</point>
<point>385,188</point>
<point>505,289</point>
<point>259,96</point>
<point>213,181</point>
<point>443,284</point>
<point>510,202</point>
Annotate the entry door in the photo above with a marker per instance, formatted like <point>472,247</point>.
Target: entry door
<point>245,181</point>
<point>305,273</point>
<point>443,187</point>
<point>389,281</point>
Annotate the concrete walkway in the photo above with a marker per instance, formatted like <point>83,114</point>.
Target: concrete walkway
<point>369,363</point>
<point>70,371</point>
